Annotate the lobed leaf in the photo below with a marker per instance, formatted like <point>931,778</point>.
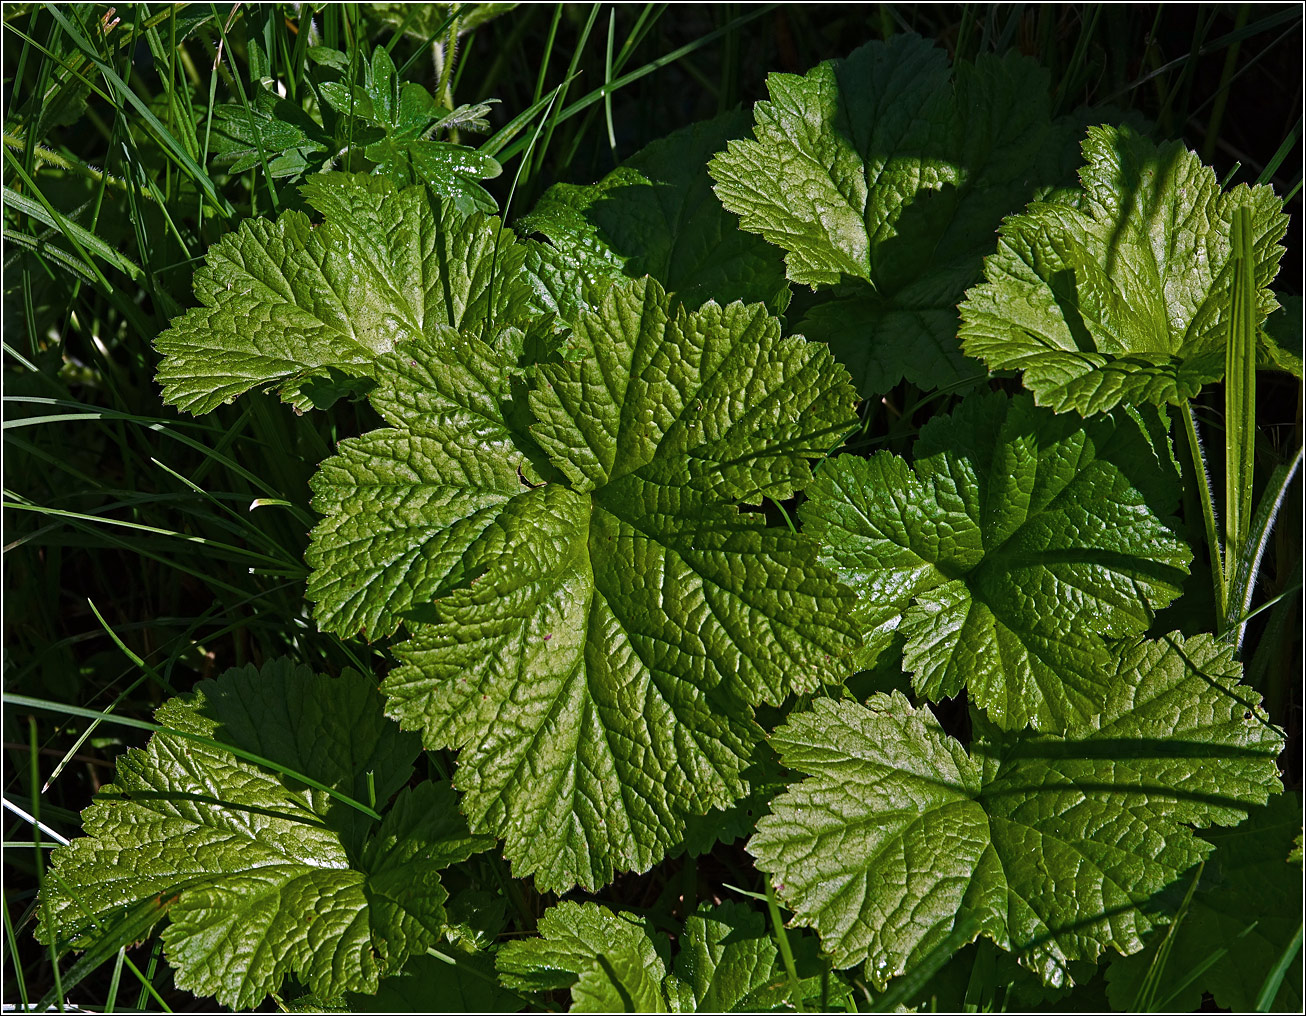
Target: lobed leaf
<point>297,308</point>
<point>609,961</point>
<point>1125,298</point>
<point>729,963</point>
<point>880,175</point>
<point>595,643</point>
<point>1054,847</point>
<point>1016,543</point>
<point>262,877</point>
<point>270,128</point>
<point>396,120</point>
<point>612,962</point>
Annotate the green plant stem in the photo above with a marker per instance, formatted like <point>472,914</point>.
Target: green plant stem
<point>1239,407</point>
<point>782,940</point>
<point>448,57</point>
<point>12,941</point>
<point>1265,1000</point>
<point>1242,582</point>
<point>35,782</point>
<point>1222,93</point>
<point>1201,479</point>
<point>248,756</point>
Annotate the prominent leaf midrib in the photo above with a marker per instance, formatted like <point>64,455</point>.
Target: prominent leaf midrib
<point>404,562</point>
<point>706,382</point>
<point>901,501</point>
<point>564,688</point>
<point>670,551</point>
<point>637,522</point>
<point>627,789</point>
<point>1107,340</point>
<point>862,867</point>
<point>1218,295</point>
<point>618,383</point>
<point>290,365</point>
<point>366,247</point>
<point>315,251</point>
<point>1106,877</point>
<point>608,729</point>
<point>220,946</point>
<point>189,760</point>
<point>1004,558</point>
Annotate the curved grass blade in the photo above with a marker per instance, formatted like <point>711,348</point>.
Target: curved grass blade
<point>62,708</point>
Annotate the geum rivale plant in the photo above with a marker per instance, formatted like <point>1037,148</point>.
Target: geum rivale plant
<point>562,524</point>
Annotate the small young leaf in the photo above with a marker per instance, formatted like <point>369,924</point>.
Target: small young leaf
<point>1005,554</point>
<point>609,961</point>
<point>263,877</point>
<point>271,128</point>
<point>1054,847</point>
<point>1127,298</point>
<point>727,962</point>
<point>405,114</point>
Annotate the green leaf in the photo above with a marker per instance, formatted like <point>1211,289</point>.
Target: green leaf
<point>765,779</point>
<point>405,114</point>
<point>1055,847</point>
<point>287,137</point>
<point>1248,880</point>
<point>286,305</point>
<point>881,173</point>
<point>260,876</point>
<point>656,215</point>
<point>609,961</point>
<point>430,486</point>
<point>1006,553</point>
<point>594,644</point>
<point>1127,298</point>
<point>450,170</point>
<point>1280,344</point>
<point>727,962</point>
<point>453,981</point>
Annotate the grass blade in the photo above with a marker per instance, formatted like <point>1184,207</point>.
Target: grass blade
<point>11,942</point>
<point>112,938</point>
<point>171,144</point>
<point>1196,971</point>
<point>1275,977</point>
<point>648,68</point>
<point>782,940</point>
<point>1145,999</point>
<point>64,709</point>
<point>1243,584</point>
<point>1239,403</point>
<point>86,239</point>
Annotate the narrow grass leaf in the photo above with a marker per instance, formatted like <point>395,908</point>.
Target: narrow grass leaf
<point>161,133</point>
<point>1239,403</point>
<point>1273,980</point>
